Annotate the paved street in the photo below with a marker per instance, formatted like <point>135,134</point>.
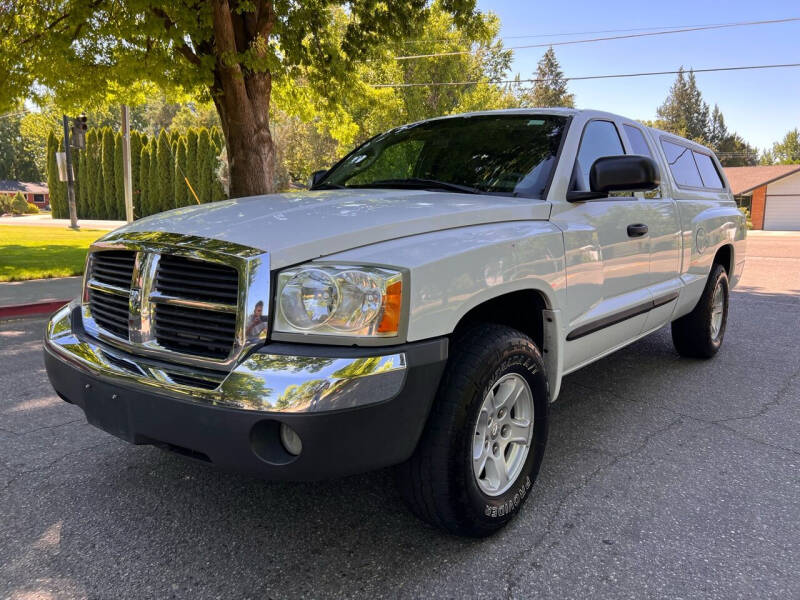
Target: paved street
<point>664,478</point>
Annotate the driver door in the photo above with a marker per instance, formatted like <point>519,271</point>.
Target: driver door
<point>607,257</point>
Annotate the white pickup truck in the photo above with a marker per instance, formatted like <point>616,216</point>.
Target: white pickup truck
<point>418,306</point>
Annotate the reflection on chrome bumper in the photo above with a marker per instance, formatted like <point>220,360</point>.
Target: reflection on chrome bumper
<point>262,382</point>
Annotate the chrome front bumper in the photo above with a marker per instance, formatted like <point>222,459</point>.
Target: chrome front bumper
<point>264,381</point>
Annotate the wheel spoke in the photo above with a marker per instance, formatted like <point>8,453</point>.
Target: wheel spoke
<point>519,431</point>
<point>502,393</point>
<point>500,470</point>
<point>480,460</point>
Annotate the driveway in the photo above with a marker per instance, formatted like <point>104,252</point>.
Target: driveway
<point>664,478</point>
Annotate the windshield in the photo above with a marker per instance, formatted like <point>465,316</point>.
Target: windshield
<point>495,154</point>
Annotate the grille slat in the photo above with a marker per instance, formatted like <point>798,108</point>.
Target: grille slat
<point>110,311</point>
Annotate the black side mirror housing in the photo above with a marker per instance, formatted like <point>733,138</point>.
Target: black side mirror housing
<point>317,176</point>
<point>625,173</point>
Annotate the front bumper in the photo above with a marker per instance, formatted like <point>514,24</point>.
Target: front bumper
<point>354,409</point>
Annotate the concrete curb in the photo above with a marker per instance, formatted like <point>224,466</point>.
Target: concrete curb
<point>29,310</point>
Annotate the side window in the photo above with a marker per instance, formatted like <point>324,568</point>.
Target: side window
<point>708,172</point>
<point>639,146</point>
<point>638,143</point>
<point>600,138</point>
<point>681,164</point>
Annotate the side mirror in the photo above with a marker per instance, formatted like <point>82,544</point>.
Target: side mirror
<point>317,176</point>
<point>626,173</point>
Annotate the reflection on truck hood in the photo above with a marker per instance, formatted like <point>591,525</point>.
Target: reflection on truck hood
<point>296,227</point>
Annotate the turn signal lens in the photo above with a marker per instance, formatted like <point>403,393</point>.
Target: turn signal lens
<point>392,308</point>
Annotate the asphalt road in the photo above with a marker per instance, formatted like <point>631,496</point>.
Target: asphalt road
<point>663,478</point>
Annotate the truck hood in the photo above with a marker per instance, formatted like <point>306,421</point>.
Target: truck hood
<point>296,227</point>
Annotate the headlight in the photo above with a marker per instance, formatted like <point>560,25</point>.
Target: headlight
<point>344,301</point>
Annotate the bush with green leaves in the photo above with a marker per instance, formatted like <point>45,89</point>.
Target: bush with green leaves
<point>19,205</point>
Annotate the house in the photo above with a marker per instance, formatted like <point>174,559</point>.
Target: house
<point>35,193</point>
<point>772,193</point>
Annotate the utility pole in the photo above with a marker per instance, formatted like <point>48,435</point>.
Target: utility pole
<point>73,212</point>
<point>126,162</point>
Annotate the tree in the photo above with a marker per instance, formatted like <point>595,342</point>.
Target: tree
<point>165,191</point>
<point>141,207</point>
<point>203,189</point>
<point>181,192</point>
<point>550,87</point>
<point>119,178</point>
<point>136,155</point>
<point>109,182</point>
<point>230,51</point>
<point>53,183</point>
<point>787,151</point>
<point>153,198</point>
<point>17,161</point>
<point>94,173</point>
<point>684,112</point>
<point>19,205</point>
<point>192,163</point>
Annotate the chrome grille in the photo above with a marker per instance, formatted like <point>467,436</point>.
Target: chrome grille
<point>176,299</point>
<point>110,282</point>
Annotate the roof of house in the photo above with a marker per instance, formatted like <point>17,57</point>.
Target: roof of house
<point>746,179</point>
<point>9,185</point>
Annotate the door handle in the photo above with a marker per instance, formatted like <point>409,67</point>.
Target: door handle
<point>637,230</point>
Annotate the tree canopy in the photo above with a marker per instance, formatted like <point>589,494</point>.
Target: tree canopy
<point>232,52</point>
<point>685,113</point>
<point>550,87</point>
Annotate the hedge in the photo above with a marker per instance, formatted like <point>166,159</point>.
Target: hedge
<point>158,168</point>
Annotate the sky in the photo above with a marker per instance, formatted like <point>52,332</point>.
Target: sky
<point>759,105</point>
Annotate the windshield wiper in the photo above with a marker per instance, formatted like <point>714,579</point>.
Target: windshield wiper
<point>415,182</point>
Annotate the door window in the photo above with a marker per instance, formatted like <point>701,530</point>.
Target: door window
<point>681,164</point>
<point>639,146</point>
<point>708,172</point>
<point>600,138</point>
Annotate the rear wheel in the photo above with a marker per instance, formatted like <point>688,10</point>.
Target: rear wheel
<point>484,441</point>
<point>699,334</point>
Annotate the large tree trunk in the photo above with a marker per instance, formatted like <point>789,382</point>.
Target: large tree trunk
<point>242,98</point>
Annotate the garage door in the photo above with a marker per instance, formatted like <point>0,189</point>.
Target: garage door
<point>782,213</point>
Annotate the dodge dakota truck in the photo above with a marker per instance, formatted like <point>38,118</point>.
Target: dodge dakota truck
<point>417,307</point>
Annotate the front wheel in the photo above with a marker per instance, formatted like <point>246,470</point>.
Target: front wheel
<point>484,441</point>
<point>699,334</point>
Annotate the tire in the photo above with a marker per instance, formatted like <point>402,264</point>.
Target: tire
<point>699,334</point>
<point>439,482</point>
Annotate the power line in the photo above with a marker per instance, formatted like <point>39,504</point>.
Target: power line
<point>585,77</point>
<point>594,32</point>
<point>608,38</point>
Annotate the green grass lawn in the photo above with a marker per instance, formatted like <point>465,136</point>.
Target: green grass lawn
<point>39,252</point>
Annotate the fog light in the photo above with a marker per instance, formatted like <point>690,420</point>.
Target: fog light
<point>290,440</point>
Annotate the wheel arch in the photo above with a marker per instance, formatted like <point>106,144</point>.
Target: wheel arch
<point>725,257</point>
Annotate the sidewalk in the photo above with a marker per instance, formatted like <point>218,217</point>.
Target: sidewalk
<point>37,296</point>
<point>44,220</point>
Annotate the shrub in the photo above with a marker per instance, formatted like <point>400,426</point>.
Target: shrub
<point>19,206</point>
<point>31,209</point>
